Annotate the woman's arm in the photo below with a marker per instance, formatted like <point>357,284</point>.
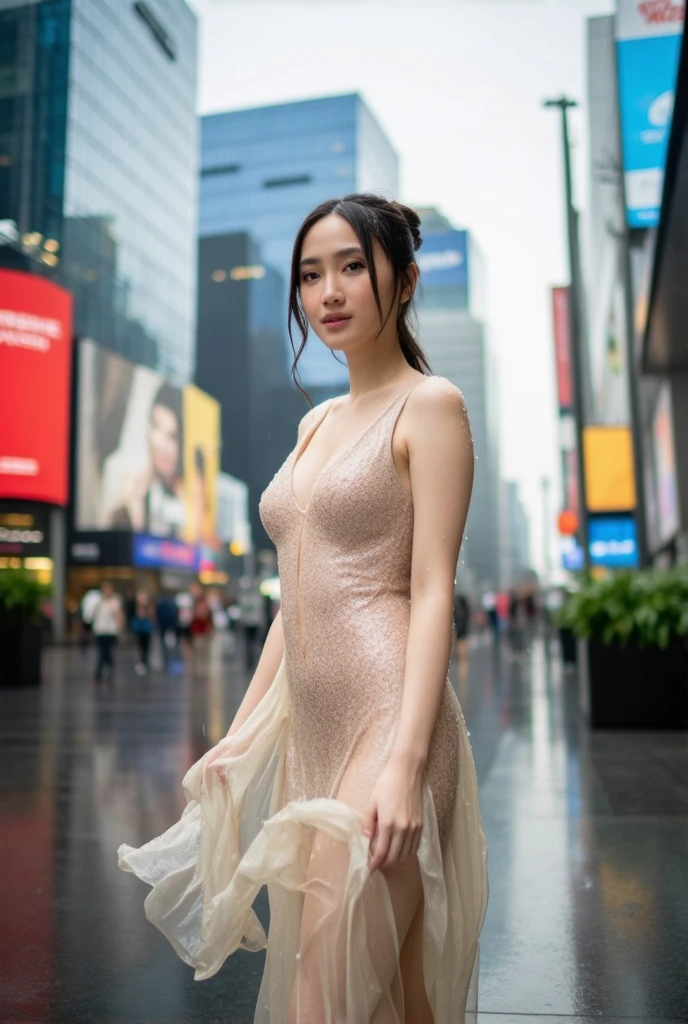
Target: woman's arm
<point>440,453</point>
<point>441,462</point>
<point>265,672</point>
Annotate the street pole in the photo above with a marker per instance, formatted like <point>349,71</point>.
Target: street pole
<point>563,104</point>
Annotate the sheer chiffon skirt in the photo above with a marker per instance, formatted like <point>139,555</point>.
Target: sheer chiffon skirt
<point>339,960</point>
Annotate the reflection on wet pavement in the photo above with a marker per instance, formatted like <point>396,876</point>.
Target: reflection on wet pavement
<point>588,849</point>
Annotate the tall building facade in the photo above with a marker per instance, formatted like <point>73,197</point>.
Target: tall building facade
<point>99,195</point>
<point>98,166</point>
<point>455,339</point>
<point>240,361</point>
<point>264,169</point>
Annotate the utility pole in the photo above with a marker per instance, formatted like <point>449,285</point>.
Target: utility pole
<point>564,104</point>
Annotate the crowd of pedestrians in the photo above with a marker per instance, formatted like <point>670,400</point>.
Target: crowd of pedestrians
<point>173,630</point>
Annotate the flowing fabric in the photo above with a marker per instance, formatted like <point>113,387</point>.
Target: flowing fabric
<point>280,802</point>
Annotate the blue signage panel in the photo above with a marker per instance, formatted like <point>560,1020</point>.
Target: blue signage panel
<point>612,541</point>
<point>443,259</point>
<point>647,80</point>
<point>571,554</point>
<point>160,553</point>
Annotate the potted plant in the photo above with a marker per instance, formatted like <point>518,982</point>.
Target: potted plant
<point>21,616</point>
<point>633,658</point>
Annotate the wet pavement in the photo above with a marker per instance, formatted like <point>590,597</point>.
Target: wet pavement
<point>587,833</point>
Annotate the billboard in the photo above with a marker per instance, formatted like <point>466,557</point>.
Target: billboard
<point>201,465</point>
<point>666,488</point>
<point>609,475</point>
<point>561,318</point>
<point>137,470</point>
<point>648,45</point>
<point>35,369</point>
<point>443,262</point>
<point>612,541</point>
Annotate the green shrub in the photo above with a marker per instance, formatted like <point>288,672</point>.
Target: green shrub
<point>21,597</point>
<point>646,609</point>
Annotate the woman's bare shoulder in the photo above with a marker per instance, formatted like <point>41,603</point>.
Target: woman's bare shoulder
<point>436,404</point>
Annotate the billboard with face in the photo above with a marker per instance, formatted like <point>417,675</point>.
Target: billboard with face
<point>130,448</point>
<point>202,465</point>
<point>35,370</point>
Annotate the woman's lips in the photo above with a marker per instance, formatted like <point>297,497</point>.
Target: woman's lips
<point>336,323</point>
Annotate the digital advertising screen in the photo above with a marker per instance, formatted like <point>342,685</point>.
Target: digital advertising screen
<point>35,370</point>
<point>201,465</point>
<point>648,45</point>
<point>130,447</point>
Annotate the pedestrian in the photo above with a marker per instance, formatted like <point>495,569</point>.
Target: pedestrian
<point>201,633</point>
<point>142,627</point>
<point>86,611</point>
<point>346,779</point>
<point>108,620</point>
<point>167,618</point>
<point>462,621</point>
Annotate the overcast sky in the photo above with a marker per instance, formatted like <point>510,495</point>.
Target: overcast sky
<point>457,86</point>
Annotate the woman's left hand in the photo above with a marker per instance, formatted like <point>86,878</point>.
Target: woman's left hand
<point>396,808</point>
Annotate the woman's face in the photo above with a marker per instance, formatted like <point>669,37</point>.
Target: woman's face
<point>336,293</point>
<point>163,435</point>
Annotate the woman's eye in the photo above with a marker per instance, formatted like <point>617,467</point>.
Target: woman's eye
<point>354,263</point>
<point>307,276</point>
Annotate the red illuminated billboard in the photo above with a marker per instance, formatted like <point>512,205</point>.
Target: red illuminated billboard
<point>35,367</point>
<point>562,346</point>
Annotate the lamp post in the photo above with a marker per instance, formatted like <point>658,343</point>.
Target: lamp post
<point>564,104</point>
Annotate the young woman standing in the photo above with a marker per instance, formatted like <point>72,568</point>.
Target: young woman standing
<point>346,781</point>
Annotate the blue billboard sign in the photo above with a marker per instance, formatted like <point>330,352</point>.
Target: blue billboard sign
<point>648,50</point>
<point>443,260</point>
<point>571,554</point>
<point>612,541</point>
<point>162,553</point>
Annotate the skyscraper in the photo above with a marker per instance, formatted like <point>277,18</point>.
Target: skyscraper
<point>98,166</point>
<point>455,339</point>
<point>264,169</point>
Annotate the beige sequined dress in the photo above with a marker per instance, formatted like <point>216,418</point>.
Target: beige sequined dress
<point>280,803</point>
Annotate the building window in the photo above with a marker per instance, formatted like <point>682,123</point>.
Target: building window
<point>297,179</point>
<point>220,169</point>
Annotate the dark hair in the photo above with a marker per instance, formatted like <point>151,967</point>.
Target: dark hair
<point>397,229</point>
<point>170,398</point>
<point>199,460</point>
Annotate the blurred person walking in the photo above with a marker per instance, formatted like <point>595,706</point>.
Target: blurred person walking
<point>346,779</point>
<point>167,619</point>
<point>462,622</point>
<point>201,633</point>
<point>108,621</point>
<point>87,609</point>
<point>141,625</point>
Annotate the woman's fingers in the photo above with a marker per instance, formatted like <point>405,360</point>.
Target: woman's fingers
<point>381,847</point>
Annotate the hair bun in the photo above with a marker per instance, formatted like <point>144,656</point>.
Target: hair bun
<point>413,221</point>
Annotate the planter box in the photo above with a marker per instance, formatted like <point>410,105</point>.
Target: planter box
<point>20,656</point>
<point>629,688</point>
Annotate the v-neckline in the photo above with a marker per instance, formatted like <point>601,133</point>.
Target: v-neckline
<point>303,444</point>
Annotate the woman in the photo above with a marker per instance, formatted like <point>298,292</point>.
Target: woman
<point>346,780</point>
<point>154,501</point>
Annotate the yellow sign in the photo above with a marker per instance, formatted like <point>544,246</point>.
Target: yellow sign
<point>609,477</point>
<point>201,464</point>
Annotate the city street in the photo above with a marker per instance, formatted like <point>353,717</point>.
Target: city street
<point>588,914</point>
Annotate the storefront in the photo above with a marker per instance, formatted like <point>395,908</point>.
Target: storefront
<point>25,539</point>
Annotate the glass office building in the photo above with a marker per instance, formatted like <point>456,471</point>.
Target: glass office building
<point>455,338</point>
<point>264,169</point>
<point>99,166</point>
